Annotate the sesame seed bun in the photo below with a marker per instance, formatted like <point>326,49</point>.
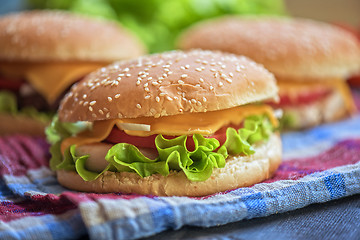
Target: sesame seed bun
<point>293,49</point>
<point>61,36</point>
<point>239,171</point>
<point>166,84</point>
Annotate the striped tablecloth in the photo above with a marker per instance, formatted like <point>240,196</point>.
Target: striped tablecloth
<point>319,165</point>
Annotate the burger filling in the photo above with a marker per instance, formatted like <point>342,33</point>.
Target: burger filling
<point>193,143</point>
<point>33,89</point>
<point>298,98</point>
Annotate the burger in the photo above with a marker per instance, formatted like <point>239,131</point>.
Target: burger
<point>176,123</point>
<point>311,61</point>
<point>42,53</point>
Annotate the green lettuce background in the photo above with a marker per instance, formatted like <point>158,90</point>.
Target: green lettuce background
<point>159,22</point>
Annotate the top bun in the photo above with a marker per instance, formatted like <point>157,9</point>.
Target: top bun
<point>290,48</point>
<point>166,84</point>
<point>61,36</point>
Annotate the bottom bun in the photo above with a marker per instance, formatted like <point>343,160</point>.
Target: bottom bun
<point>239,171</point>
<point>14,124</point>
<point>330,109</point>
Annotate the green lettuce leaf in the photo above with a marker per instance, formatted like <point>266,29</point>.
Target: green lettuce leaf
<point>55,133</point>
<point>197,165</point>
<point>8,104</point>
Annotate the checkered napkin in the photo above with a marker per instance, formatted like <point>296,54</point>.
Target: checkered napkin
<point>319,165</point>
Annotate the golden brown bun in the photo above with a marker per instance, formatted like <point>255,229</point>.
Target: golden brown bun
<point>238,172</point>
<point>61,36</point>
<point>165,84</point>
<point>11,124</point>
<point>296,49</point>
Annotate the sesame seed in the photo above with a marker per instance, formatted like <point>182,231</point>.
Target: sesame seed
<point>228,80</point>
<point>128,75</point>
<point>184,76</point>
<point>110,99</point>
<point>121,75</point>
<point>170,72</point>
<point>147,96</point>
<point>201,80</point>
<point>221,84</point>
<point>162,94</point>
<point>101,112</point>
<point>213,69</point>
<point>223,76</point>
<point>187,66</point>
<point>176,98</point>
<point>105,109</point>
<point>181,82</point>
<point>126,69</point>
<point>119,115</point>
<point>198,103</point>
<point>193,100</point>
<point>94,115</point>
<point>90,109</point>
<point>166,70</point>
<point>150,78</point>
<point>198,60</point>
<point>117,95</point>
<point>197,85</point>
<point>165,75</point>
<point>147,89</point>
<point>231,74</point>
<point>198,69</point>
<point>84,96</point>
<point>180,110</point>
<point>108,115</point>
<point>157,99</point>
<point>85,103</point>
<point>155,83</point>
<point>146,84</point>
<point>182,68</point>
<point>204,99</point>
<point>211,87</point>
<point>138,106</point>
<point>178,88</point>
<point>138,83</point>
<point>169,98</point>
<point>92,103</point>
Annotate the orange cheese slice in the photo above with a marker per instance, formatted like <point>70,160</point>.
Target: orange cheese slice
<point>50,79</point>
<point>185,124</point>
<point>292,88</point>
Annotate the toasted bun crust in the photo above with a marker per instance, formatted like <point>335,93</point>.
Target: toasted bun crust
<point>61,36</point>
<point>21,124</point>
<point>296,49</point>
<point>168,84</point>
<point>238,172</point>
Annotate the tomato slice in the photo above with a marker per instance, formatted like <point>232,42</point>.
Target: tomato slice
<point>118,136</point>
<point>354,81</point>
<point>302,98</point>
<point>10,84</point>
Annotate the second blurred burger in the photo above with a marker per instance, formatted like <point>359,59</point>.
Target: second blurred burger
<point>42,53</point>
<point>310,60</point>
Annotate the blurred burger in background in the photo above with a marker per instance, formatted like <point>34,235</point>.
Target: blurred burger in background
<point>42,53</point>
<point>311,61</point>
